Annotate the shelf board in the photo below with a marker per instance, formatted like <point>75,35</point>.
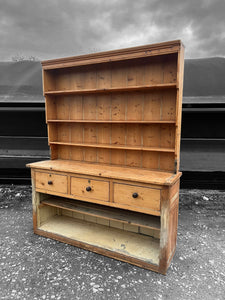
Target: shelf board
<point>108,213</point>
<point>140,88</point>
<point>113,146</point>
<point>112,121</point>
<point>130,244</point>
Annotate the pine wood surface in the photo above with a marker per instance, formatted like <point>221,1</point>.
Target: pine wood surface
<point>113,146</point>
<point>129,174</point>
<point>60,182</point>
<point>104,237</point>
<point>114,55</point>
<point>147,198</point>
<point>113,89</point>
<point>143,92</point>
<point>112,122</point>
<point>99,188</point>
<point>107,213</point>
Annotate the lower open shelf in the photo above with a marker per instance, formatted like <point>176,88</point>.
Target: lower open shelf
<point>100,228</point>
<point>139,221</point>
<point>137,246</point>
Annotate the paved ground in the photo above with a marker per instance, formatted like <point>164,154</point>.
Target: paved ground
<point>33,267</point>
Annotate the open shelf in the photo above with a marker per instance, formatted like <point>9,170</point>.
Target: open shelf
<point>140,88</point>
<point>108,213</point>
<point>124,242</point>
<point>113,146</point>
<point>113,122</point>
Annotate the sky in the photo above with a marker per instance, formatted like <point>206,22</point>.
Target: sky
<point>48,29</point>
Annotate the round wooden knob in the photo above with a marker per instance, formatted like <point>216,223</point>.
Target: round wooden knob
<point>50,182</point>
<point>135,195</point>
<point>88,188</point>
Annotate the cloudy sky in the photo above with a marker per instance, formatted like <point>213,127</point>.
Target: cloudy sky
<point>49,29</point>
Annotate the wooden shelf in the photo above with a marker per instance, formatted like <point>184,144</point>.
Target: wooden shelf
<point>127,243</point>
<point>108,213</point>
<point>113,146</point>
<point>141,88</point>
<point>113,122</point>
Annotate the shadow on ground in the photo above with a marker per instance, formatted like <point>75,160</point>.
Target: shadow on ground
<point>34,267</point>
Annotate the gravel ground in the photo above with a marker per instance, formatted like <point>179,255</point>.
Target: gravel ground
<point>34,267</point>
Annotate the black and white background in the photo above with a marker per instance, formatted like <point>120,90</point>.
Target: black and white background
<point>33,267</point>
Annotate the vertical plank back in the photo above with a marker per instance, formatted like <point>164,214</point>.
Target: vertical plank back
<point>127,119</point>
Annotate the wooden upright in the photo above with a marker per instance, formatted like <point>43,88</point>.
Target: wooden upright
<point>114,123</point>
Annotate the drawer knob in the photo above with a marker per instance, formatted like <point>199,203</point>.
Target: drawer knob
<point>88,188</point>
<point>135,195</point>
<point>50,182</point>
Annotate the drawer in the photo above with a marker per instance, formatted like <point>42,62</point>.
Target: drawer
<point>137,196</point>
<point>51,182</point>
<point>87,188</point>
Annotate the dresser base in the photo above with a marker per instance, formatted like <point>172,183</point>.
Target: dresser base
<point>142,239</point>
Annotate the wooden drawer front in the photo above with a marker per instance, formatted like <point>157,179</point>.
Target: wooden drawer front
<point>51,182</point>
<point>145,197</point>
<point>90,189</point>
